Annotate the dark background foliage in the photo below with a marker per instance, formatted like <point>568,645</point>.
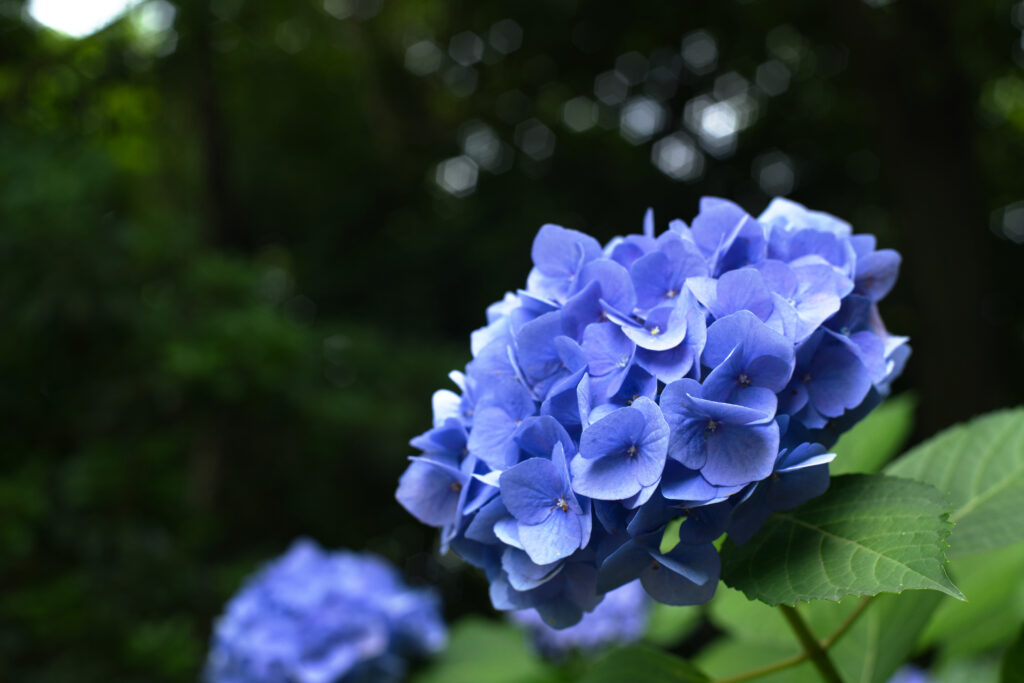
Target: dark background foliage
<point>232,275</point>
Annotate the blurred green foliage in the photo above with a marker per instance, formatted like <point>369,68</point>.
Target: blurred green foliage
<point>232,283</point>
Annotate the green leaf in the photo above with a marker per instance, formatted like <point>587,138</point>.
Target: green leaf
<point>668,625</point>
<point>876,439</point>
<point>482,650</point>
<point>728,657</point>
<point>642,663</point>
<point>884,637</point>
<point>670,537</point>
<point>993,583</point>
<point>870,651</point>
<point>867,535</point>
<point>1012,668</point>
<point>980,465</point>
<point>974,670</point>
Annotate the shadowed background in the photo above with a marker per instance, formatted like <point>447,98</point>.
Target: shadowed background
<point>244,240</point>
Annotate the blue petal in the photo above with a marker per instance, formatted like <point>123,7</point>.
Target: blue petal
<point>481,528</point>
<point>531,490</point>
<point>539,435</point>
<point>491,437</point>
<point>876,273</point>
<point>616,285</point>
<point>606,349</point>
<point>796,487</point>
<point>688,486</point>
<point>837,380</point>
<point>536,351</point>
<point>554,539</point>
<point>664,328</point>
<point>430,491</point>
<point>622,566</point>
<point>612,435</point>
<point>669,587</point>
<point>525,574</point>
<point>611,478</point>
<point>739,454</point>
<point>743,289</point>
<point>559,252</point>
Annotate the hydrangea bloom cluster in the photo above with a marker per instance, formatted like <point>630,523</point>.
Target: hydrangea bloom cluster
<point>621,618</point>
<point>318,617</point>
<point>702,374</point>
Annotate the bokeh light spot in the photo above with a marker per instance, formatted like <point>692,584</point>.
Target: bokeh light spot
<point>535,139</point>
<point>678,157</point>
<point>78,18</point>
<point>641,119</point>
<point>457,176</point>
<point>579,114</point>
<point>700,53</point>
<point>423,58</point>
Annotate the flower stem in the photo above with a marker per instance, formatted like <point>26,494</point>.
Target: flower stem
<point>847,623</point>
<point>812,647</point>
<point>788,662</point>
<point>780,665</point>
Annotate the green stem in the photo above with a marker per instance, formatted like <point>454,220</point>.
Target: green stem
<point>847,623</point>
<point>784,664</point>
<point>812,647</point>
<point>780,665</point>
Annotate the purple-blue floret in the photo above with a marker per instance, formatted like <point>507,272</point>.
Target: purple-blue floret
<point>312,616</point>
<point>700,375</point>
<point>620,619</point>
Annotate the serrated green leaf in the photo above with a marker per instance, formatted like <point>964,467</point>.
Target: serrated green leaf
<point>1011,670</point>
<point>876,439</point>
<point>642,663</point>
<point>483,650</point>
<point>980,465</point>
<point>868,534</point>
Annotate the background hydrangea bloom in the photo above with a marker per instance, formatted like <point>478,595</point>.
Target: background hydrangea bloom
<point>703,373</point>
<point>621,618</point>
<point>317,617</point>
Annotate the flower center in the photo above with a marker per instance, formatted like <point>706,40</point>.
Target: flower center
<point>455,486</point>
<point>655,331</point>
<point>671,294</point>
<point>562,504</point>
<point>710,428</point>
<point>632,451</point>
<point>743,379</point>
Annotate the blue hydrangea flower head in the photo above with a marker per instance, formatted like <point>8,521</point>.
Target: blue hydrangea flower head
<point>323,617</point>
<point>700,375</point>
<point>620,619</point>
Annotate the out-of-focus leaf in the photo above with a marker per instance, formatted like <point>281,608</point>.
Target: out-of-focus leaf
<point>876,439</point>
<point>482,650</point>
<point>993,583</point>
<point>878,642</point>
<point>1011,670</point>
<point>870,534</point>
<point>668,624</point>
<point>642,663</point>
<point>974,670</point>
<point>884,636</point>
<point>729,657</point>
<point>980,465</point>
